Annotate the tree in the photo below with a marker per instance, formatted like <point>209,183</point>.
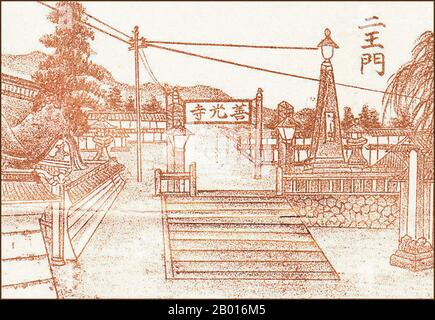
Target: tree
<point>374,119</point>
<point>67,77</point>
<point>129,104</point>
<point>348,119</point>
<point>114,99</point>
<point>306,117</point>
<point>403,121</point>
<point>411,88</point>
<point>369,118</point>
<point>364,117</point>
<point>153,105</point>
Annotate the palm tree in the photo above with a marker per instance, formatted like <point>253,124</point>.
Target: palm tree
<point>410,90</point>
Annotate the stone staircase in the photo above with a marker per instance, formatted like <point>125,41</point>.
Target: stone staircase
<point>239,235</point>
<point>25,267</point>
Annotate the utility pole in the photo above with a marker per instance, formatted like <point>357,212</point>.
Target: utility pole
<point>135,47</point>
<point>258,133</point>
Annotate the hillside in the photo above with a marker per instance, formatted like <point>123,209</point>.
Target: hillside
<point>25,65</point>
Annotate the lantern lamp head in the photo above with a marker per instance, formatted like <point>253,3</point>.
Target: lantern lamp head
<point>287,129</point>
<point>178,137</point>
<point>327,46</point>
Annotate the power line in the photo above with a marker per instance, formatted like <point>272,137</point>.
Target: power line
<point>147,66</point>
<point>106,24</point>
<point>47,5</point>
<point>231,62</point>
<point>153,44</point>
<point>232,45</point>
<point>271,71</point>
<point>105,32</point>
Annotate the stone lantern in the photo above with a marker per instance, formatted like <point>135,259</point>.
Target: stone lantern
<point>103,137</point>
<point>356,141</point>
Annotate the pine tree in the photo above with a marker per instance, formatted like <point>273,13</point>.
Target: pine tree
<point>348,119</point>
<point>306,117</point>
<point>114,99</point>
<point>374,119</point>
<point>153,105</point>
<point>369,118</point>
<point>129,105</point>
<point>364,117</point>
<point>66,78</point>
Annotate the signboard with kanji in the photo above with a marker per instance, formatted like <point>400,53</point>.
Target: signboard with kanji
<point>218,112</point>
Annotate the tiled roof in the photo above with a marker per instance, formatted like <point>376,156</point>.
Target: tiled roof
<point>25,191</point>
<point>356,128</point>
<point>112,116</point>
<point>396,157</point>
<point>101,124</point>
<point>83,186</point>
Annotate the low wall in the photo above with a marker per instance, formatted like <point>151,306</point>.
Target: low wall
<point>378,211</point>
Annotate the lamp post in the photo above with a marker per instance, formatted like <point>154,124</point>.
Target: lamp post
<point>326,151</point>
<point>178,138</point>
<point>327,46</point>
<point>286,130</point>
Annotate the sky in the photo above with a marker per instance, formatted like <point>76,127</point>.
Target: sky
<point>262,23</point>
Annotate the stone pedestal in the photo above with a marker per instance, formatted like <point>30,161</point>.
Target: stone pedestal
<point>102,144</point>
<point>356,158</point>
<point>415,251</point>
<point>414,255</point>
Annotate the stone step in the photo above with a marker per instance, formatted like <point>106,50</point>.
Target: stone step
<point>252,266</point>
<point>25,268</point>
<point>236,227</point>
<point>233,235</point>
<point>226,205</point>
<point>231,212</point>
<point>230,244</point>
<point>247,255</point>
<point>240,219</point>
<point>225,199</point>
<point>21,271</point>
<point>257,275</point>
<point>19,223</point>
<point>22,245</point>
<point>43,289</point>
<point>213,235</point>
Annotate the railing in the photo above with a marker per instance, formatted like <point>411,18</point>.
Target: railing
<point>340,182</point>
<point>176,182</point>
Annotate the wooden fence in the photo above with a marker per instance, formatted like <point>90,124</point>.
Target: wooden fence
<point>176,182</point>
<point>336,182</point>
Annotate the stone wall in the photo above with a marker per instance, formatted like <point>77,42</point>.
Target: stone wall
<point>347,210</point>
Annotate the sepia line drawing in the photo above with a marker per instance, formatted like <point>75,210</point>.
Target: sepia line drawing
<point>177,189</point>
